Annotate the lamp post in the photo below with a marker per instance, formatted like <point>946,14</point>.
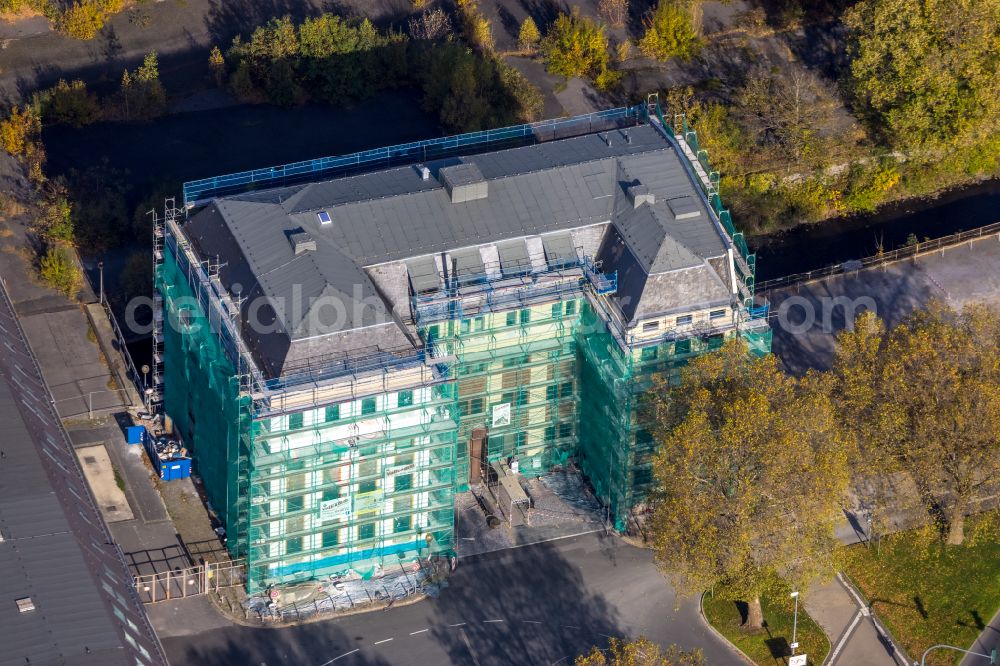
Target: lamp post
<point>100,273</point>
<point>145,387</point>
<point>795,621</point>
<point>992,656</point>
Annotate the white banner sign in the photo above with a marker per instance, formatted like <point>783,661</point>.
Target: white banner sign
<point>391,472</point>
<point>798,660</point>
<point>368,502</point>
<point>501,414</point>
<point>335,508</point>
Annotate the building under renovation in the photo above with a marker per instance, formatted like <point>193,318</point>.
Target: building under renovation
<point>346,343</point>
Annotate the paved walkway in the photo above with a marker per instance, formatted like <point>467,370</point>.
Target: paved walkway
<point>854,636</point>
<point>957,275</point>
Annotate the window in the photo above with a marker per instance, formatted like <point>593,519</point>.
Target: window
<point>434,332</point>
<point>550,434</point>
<point>368,406</point>
<point>476,406</point>
<point>480,323</point>
<point>684,319</point>
<point>566,389</point>
<point>716,314</point>
<point>295,421</point>
<point>682,347</point>
<point>570,307</point>
<point>643,476</point>
<point>403,482</point>
<point>330,538</point>
<point>511,318</point>
<point>650,326</point>
<point>293,545</point>
<point>556,310</point>
<point>402,524</point>
<point>525,316</point>
<point>332,413</point>
<point>520,439</point>
<point>648,354</point>
<point>295,503</point>
<point>522,397</point>
<point>366,531</point>
<point>551,392</point>
<point>565,430</point>
<point>715,341</point>
<point>465,326</point>
<point>405,398</point>
<point>331,494</point>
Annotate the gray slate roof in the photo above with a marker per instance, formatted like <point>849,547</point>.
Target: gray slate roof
<point>54,547</point>
<point>396,215</point>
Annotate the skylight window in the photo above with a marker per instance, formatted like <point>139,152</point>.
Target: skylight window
<point>324,217</point>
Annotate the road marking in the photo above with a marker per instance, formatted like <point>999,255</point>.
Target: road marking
<point>414,633</point>
<point>460,624</point>
<point>843,639</point>
<point>531,621</point>
<point>384,640</point>
<point>569,626</point>
<point>468,646</point>
<point>488,621</point>
<point>340,657</point>
<point>861,604</point>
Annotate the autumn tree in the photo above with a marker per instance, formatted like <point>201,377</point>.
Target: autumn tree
<point>528,36</point>
<point>640,652</point>
<point>749,475</point>
<point>577,46</point>
<point>670,31</point>
<point>924,400</point>
<point>928,71</point>
<point>217,66</point>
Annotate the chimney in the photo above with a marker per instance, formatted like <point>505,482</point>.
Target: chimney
<point>639,194</point>
<point>301,242</point>
<point>425,173</point>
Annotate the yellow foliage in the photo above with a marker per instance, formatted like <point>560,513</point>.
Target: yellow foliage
<point>20,129</point>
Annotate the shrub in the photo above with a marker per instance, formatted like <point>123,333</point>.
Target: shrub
<point>20,129</point>
<point>217,65</point>
<point>430,25</point>
<point>669,32</point>
<point>575,46</point>
<point>55,220</point>
<point>69,103</point>
<point>615,12</point>
<point>83,19</point>
<point>142,96</point>
<point>58,270</point>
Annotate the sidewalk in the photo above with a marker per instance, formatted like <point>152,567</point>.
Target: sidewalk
<point>850,626</point>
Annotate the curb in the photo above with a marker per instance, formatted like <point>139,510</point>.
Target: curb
<point>732,646</point>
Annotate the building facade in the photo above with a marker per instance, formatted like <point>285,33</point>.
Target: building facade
<point>343,356</point>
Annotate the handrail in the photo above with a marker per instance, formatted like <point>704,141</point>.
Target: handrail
<point>200,190</point>
<point>881,259</point>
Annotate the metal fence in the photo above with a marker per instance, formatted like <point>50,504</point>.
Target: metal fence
<point>181,583</point>
<point>885,258</point>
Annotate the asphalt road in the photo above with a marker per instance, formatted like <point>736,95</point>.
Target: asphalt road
<point>541,604</point>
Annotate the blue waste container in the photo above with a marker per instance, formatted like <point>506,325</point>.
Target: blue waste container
<point>135,434</point>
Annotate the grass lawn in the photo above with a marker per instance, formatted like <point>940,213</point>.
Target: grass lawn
<point>768,646</point>
<point>928,593</point>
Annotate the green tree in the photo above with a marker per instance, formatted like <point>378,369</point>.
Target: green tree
<point>137,276</point>
<point>749,472</point>
<point>69,103</point>
<point>58,270</point>
<point>575,46</point>
<point>55,220</point>
<point>142,96</point>
<point>924,399</point>
<point>928,71</point>
<point>528,36</point>
<point>670,32</point>
<point>640,652</point>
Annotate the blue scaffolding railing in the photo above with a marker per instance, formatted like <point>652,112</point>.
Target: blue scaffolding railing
<point>196,191</point>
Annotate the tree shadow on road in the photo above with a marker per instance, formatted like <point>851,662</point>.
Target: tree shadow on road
<point>300,645</point>
<point>531,609</point>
